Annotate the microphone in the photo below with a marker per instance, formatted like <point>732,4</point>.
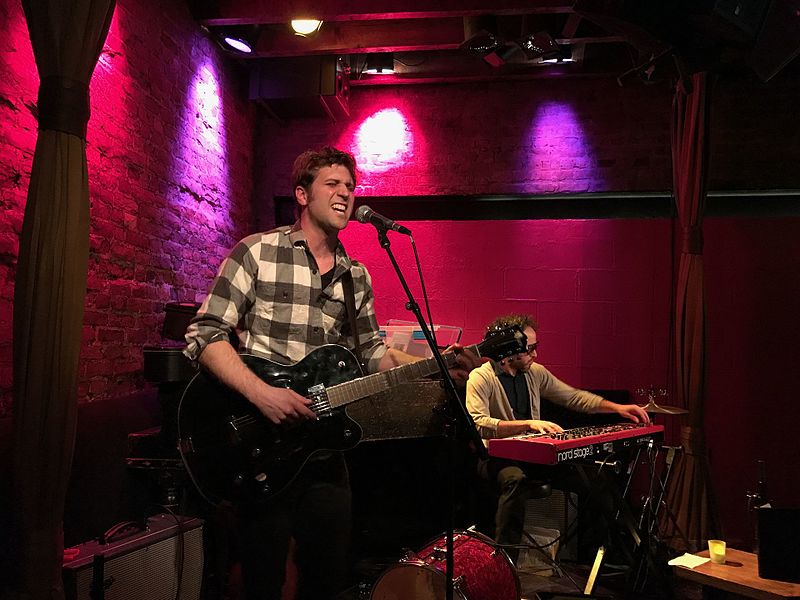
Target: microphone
<point>364,214</point>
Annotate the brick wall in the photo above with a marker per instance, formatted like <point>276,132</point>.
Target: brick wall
<point>170,177</point>
<point>543,136</point>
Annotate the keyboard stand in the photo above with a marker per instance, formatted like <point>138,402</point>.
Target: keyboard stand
<point>653,503</point>
<point>620,519</point>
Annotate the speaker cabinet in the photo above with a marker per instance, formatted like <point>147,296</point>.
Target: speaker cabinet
<point>302,86</point>
<point>148,564</point>
<point>778,551</point>
<point>556,511</point>
<point>778,42</point>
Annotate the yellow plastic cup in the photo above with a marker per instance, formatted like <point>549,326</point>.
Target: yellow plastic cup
<point>716,551</point>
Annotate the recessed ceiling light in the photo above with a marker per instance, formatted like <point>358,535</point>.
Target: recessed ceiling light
<point>304,27</point>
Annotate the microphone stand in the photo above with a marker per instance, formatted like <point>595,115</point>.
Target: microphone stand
<point>458,413</point>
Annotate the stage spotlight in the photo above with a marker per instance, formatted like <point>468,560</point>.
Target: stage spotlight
<point>482,42</point>
<point>489,47</point>
<point>481,38</point>
<point>239,38</point>
<point>305,27</point>
<point>380,63</point>
<point>540,45</point>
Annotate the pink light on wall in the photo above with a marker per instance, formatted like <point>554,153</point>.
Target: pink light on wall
<point>110,91</point>
<point>383,140</point>
<point>111,48</point>
<point>559,157</point>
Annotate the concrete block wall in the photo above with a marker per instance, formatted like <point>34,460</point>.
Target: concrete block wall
<point>603,322</point>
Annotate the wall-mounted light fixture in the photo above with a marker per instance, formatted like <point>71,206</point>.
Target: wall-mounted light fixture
<point>305,27</point>
<point>380,63</point>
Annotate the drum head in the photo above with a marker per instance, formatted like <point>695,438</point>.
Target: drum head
<point>412,581</point>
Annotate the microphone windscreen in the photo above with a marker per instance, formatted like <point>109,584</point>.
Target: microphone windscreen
<point>362,213</point>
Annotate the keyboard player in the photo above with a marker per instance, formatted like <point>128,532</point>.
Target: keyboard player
<point>503,399</point>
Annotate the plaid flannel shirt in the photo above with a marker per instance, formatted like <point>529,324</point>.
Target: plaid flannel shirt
<point>269,290</point>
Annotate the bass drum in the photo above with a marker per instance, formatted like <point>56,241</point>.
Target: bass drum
<point>480,572</point>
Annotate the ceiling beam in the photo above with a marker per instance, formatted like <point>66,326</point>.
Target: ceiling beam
<point>357,37</point>
<point>248,12</point>
<point>364,37</point>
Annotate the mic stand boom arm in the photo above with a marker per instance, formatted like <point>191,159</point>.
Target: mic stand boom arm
<point>458,413</point>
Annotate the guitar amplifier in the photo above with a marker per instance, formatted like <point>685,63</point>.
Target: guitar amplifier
<point>163,562</point>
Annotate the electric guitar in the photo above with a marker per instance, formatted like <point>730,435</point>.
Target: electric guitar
<point>235,454</point>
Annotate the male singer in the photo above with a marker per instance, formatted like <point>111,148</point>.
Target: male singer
<point>283,291</point>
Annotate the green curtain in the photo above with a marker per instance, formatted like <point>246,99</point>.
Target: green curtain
<point>67,37</point>
<point>689,495</point>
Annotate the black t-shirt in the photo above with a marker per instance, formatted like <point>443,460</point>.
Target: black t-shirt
<point>516,388</point>
<point>326,278</point>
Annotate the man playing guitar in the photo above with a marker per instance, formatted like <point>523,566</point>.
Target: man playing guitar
<point>284,292</point>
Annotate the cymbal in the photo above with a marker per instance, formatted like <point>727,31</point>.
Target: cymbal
<point>652,407</point>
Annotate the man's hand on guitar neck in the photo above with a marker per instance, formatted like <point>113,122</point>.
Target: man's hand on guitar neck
<point>275,403</point>
<point>466,360</point>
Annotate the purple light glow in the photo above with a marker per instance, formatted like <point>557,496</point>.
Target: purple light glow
<point>237,44</point>
<point>208,120</point>
<point>559,157</point>
<point>382,141</point>
<point>201,161</point>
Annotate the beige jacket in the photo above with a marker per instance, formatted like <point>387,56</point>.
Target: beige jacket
<point>488,404</point>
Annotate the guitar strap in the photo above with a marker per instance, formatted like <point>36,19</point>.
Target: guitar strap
<point>350,305</point>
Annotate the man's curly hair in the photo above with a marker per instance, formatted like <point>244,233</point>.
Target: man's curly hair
<point>308,164</point>
<point>520,320</point>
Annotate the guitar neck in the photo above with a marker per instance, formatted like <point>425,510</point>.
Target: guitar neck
<point>350,391</point>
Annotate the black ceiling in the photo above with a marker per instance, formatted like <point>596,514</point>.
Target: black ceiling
<point>430,39</point>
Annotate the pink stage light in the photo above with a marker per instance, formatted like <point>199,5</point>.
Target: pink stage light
<point>383,141</point>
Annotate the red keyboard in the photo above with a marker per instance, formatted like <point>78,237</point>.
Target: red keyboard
<point>575,444</point>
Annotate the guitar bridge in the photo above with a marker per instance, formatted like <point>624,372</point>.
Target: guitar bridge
<point>320,405</point>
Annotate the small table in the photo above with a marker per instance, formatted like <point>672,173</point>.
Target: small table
<point>739,575</point>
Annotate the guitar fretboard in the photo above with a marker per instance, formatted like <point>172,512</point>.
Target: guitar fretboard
<point>350,391</point>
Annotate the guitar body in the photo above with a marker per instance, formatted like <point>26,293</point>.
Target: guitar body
<point>235,454</point>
